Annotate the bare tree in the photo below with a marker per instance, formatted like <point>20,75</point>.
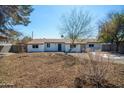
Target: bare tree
<point>75,25</point>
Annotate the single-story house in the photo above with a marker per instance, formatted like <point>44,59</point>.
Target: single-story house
<point>3,39</point>
<point>62,45</point>
<point>5,46</point>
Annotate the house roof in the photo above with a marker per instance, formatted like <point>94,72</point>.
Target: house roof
<point>90,40</point>
<point>2,37</point>
<point>41,41</point>
<point>36,41</point>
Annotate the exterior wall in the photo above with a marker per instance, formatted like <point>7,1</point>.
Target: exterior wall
<point>97,47</point>
<point>76,49</point>
<point>64,47</point>
<point>54,47</point>
<point>83,48</point>
<point>39,49</point>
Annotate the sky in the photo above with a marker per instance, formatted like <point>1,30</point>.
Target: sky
<point>46,19</point>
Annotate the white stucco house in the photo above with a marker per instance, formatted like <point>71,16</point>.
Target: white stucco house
<point>61,45</point>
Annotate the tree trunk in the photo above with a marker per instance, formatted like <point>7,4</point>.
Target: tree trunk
<point>70,50</point>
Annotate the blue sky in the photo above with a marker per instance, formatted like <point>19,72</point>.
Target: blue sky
<point>45,19</point>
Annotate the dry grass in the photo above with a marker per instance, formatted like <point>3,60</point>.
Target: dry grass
<point>46,70</point>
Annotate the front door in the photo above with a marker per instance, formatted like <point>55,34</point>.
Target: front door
<point>59,47</point>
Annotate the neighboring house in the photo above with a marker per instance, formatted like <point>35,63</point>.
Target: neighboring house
<point>3,39</point>
<point>5,46</point>
<point>62,45</point>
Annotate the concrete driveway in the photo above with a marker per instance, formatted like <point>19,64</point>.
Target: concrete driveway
<point>115,58</point>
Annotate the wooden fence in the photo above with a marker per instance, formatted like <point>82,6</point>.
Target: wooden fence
<point>112,47</point>
<point>19,48</point>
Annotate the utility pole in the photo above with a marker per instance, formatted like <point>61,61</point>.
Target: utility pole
<point>32,34</point>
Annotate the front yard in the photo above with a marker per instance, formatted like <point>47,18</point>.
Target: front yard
<point>48,70</point>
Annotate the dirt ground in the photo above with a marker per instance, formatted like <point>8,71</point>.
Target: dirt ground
<point>44,70</point>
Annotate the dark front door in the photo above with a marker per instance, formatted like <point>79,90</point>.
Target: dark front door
<point>59,47</point>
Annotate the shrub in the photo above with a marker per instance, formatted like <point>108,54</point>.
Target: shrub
<point>96,73</point>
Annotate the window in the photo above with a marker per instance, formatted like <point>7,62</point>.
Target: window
<point>48,44</point>
<point>34,46</point>
<point>91,45</point>
<point>73,46</point>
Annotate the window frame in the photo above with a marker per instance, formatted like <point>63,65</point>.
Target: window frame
<point>91,45</point>
<point>48,45</point>
<point>35,46</point>
<point>72,45</point>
